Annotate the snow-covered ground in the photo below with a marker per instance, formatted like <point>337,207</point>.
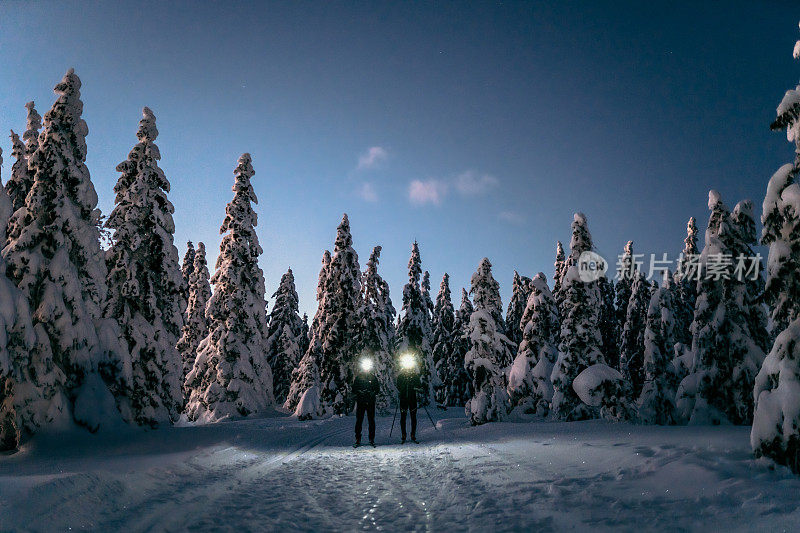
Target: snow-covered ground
<point>281,474</point>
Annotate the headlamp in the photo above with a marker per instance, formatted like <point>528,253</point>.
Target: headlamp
<point>366,364</point>
<point>408,361</point>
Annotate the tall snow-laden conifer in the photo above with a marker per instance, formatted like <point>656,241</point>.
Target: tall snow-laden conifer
<point>304,391</point>
<point>529,384</point>
<point>443,337</point>
<point>521,289</point>
<point>414,326</point>
<point>16,339</point>
<point>55,259</point>
<point>631,359</point>
<point>282,356</point>
<point>580,340</point>
<point>187,268</point>
<point>627,270</point>
<point>322,385</point>
<point>376,335</point>
<point>656,403</point>
<point>719,386</point>
<point>21,178</point>
<point>489,352</point>
<point>341,301</point>
<point>231,376</point>
<point>195,327</point>
<point>560,268</point>
<point>686,284</point>
<point>776,423</point>
<point>145,293</point>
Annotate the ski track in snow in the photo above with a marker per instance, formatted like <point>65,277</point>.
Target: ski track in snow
<point>279,474</point>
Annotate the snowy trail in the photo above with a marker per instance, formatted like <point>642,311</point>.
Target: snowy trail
<point>281,474</point>
<point>195,496</point>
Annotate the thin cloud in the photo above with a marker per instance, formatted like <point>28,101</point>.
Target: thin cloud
<point>426,192</point>
<point>373,157</point>
<point>367,192</point>
<point>471,183</point>
<point>511,217</point>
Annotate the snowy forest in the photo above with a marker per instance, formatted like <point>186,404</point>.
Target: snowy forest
<point>104,326</point>
<point>97,335</point>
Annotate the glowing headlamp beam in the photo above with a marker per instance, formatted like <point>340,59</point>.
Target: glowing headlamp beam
<point>408,361</point>
<point>366,364</point>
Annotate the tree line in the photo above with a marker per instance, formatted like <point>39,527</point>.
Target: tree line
<point>129,334</point>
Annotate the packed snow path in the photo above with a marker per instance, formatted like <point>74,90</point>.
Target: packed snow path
<point>281,474</point>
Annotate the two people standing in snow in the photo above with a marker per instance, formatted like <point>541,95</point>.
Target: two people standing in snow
<point>365,390</point>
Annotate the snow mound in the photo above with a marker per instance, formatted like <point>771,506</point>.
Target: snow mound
<point>590,383</point>
<point>308,407</point>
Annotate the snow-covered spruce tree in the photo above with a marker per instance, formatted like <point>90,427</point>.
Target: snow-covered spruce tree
<point>21,178</point>
<point>55,259</point>
<point>580,340</point>
<point>627,271</point>
<point>231,376</point>
<point>686,284</point>
<point>776,422</point>
<point>332,349</point>
<point>520,291</point>
<point>529,384</point>
<point>15,342</point>
<point>755,315</point>
<point>443,337</point>
<point>719,386</point>
<point>340,303</point>
<point>144,280</point>
<point>656,403</point>
<point>195,327</point>
<point>284,314</point>
<point>609,329</point>
<point>304,391</point>
<point>631,361</point>
<point>414,327</point>
<point>489,351</point>
<point>187,268</point>
<point>376,334</point>
<point>456,384</point>
<point>560,268</point>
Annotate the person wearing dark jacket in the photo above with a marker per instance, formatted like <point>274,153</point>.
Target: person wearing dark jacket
<point>407,384</point>
<point>365,390</point>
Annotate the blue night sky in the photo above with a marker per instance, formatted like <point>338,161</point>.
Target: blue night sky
<point>476,129</point>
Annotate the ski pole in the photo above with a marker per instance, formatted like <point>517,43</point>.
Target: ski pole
<point>393,419</point>
<point>429,418</point>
